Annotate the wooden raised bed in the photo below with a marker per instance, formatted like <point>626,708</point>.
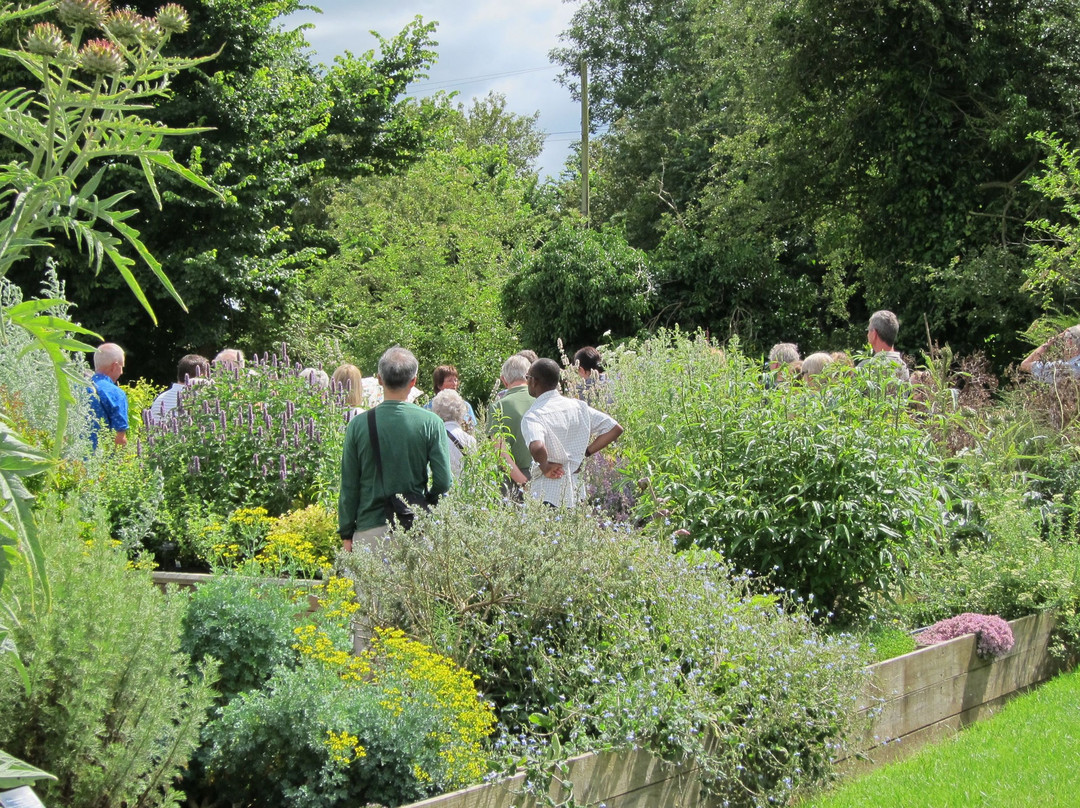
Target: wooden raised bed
<point>907,701</point>
<point>934,692</point>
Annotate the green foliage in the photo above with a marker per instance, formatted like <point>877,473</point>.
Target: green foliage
<point>1028,563</point>
<point>131,492</point>
<point>69,127</point>
<point>424,256</point>
<point>830,492</point>
<point>580,285</point>
<point>1052,276</point>
<point>889,175</point>
<point>259,437</point>
<point>392,725</point>
<point>280,130</point>
<point>110,709</point>
<point>246,625</point>
<point>591,636</point>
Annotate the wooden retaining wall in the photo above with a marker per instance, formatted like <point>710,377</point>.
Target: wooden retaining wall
<point>907,702</point>
<point>934,692</point>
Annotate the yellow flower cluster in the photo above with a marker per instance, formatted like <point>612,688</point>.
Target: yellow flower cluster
<point>311,641</point>
<point>290,552</point>
<point>337,599</point>
<point>410,672</point>
<point>250,517</point>
<point>344,748</point>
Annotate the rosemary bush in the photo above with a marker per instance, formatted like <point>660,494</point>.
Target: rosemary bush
<point>111,710</point>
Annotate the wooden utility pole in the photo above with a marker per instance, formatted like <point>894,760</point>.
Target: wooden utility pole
<point>584,69</point>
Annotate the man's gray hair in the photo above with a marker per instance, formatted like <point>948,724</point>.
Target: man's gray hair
<point>886,325</point>
<point>397,367</point>
<point>450,406</point>
<point>231,358</point>
<point>515,369</point>
<point>106,355</point>
<point>784,352</point>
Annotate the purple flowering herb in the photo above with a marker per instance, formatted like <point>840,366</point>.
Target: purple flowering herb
<point>259,433</point>
<point>224,422</point>
<point>138,447</point>
<point>146,422</point>
<point>994,635</point>
<point>284,471</point>
<point>284,353</point>
<point>266,419</point>
<point>265,470</point>
<point>196,466</point>
<point>255,459</point>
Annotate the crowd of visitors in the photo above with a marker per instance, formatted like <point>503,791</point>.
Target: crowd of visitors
<point>398,456</point>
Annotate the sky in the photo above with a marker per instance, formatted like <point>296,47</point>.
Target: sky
<point>484,46</point>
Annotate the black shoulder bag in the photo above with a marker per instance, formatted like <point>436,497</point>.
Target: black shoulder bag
<point>398,507</point>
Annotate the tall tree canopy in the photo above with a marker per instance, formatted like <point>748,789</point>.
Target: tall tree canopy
<point>279,124</point>
<point>425,253</point>
<point>869,155</point>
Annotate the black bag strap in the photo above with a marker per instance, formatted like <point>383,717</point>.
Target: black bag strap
<point>455,441</point>
<point>373,438</point>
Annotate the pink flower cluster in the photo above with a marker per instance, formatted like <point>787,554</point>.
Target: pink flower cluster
<point>995,637</point>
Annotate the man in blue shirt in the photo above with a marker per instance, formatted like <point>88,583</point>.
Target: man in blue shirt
<point>108,403</point>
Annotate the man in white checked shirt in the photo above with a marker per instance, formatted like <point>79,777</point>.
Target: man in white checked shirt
<point>560,433</point>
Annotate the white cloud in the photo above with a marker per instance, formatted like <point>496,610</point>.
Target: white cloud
<point>476,38</point>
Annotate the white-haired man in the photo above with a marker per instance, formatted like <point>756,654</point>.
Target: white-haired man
<point>108,403</point>
<point>410,439</point>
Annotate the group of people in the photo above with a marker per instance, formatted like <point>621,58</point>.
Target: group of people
<point>108,401</point>
<point>543,437</point>
<point>881,332</point>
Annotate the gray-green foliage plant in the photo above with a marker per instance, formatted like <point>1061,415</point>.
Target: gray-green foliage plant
<point>246,625</point>
<point>111,709</point>
<point>827,489</point>
<point>589,635</point>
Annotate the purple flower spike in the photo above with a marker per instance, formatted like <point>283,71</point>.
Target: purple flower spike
<point>284,472</point>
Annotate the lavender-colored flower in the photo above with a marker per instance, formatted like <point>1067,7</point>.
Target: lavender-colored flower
<point>224,422</point>
<point>138,447</point>
<point>994,635</point>
<point>284,470</point>
<point>196,466</point>
<point>265,470</point>
<point>255,459</point>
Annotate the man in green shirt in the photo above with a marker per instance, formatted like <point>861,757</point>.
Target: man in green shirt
<point>504,418</point>
<point>411,440</point>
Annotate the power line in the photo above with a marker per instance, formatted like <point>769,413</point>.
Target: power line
<point>443,84</point>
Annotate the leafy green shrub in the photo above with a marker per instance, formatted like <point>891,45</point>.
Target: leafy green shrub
<point>829,491</point>
<point>303,541</point>
<point>1028,564</point>
<point>260,437</point>
<point>132,494</point>
<point>243,623</point>
<point>111,711</point>
<point>578,285</point>
<point>392,725</point>
<point>599,636</point>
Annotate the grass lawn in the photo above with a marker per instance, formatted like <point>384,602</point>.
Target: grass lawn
<point>1026,755</point>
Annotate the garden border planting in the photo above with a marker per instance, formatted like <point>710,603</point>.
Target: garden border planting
<point>909,701</point>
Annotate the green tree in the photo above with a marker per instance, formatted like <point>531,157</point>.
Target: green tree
<point>424,255</point>
<point>276,124</point>
<point>578,286</point>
